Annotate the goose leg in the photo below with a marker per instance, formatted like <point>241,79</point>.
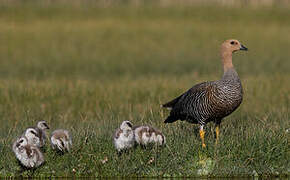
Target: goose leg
<point>217,133</point>
<point>202,133</point>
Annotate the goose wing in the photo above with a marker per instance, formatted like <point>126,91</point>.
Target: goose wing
<point>195,104</point>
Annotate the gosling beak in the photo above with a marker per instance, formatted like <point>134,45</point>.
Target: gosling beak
<point>243,48</point>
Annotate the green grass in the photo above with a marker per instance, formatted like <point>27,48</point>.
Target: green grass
<point>87,69</point>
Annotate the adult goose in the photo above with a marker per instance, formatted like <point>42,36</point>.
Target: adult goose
<point>212,100</point>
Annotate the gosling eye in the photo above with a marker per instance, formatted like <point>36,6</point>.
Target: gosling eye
<point>129,124</point>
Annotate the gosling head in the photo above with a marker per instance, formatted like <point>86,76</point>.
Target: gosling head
<point>31,133</point>
<point>232,45</point>
<point>126,125</point>
<point>42,125</point>
<point>21,142</point>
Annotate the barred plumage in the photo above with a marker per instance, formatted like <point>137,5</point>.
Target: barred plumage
<point>210,101</point>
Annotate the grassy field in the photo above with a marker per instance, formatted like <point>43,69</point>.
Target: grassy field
<point>89,68</point>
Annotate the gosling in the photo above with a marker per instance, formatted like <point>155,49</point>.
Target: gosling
<point>32,137</point>
<point>146,135</point>
<point>124,137</point>
<point>61,140</point>
<point>41,128</point>
<point>28,155</point>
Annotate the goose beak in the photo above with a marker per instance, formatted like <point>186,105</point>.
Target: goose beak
<point>243,48</point>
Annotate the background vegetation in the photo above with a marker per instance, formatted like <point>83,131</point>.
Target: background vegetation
<point>88,66</point>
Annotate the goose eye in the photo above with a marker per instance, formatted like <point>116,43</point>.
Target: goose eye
<point>232,42</point>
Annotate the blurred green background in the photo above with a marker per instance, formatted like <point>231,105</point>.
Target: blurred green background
<point>88,65</point>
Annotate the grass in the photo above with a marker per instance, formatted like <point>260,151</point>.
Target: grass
<point>87,69</point>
